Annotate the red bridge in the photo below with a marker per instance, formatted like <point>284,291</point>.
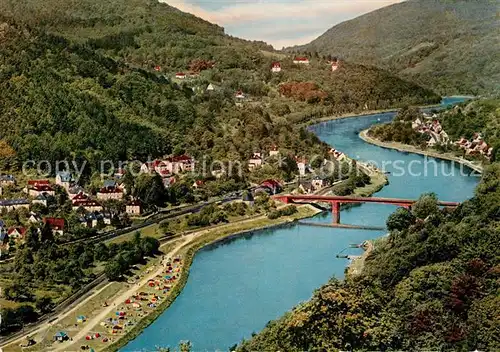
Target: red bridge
<point>336,201</point>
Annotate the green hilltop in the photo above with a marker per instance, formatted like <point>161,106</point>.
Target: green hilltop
<point>96,80</point>
<point>449,46</point>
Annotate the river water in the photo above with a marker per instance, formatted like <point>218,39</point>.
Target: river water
<point>237,286</point>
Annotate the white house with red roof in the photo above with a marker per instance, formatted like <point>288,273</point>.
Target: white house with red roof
<point>302,165</point>
<point>239,95</point>
<point>301,60</point>
<point>37,190</point>
<point>180,75</point>
<point>274,151</point>
<point>17,233</point>
<point>255,161</point>
<point>335,65</point>
<point>56,225</point>
<point>134,207</point>
<point>275,67</point>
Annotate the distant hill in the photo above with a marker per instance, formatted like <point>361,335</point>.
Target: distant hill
<point>449,46</point>
<point>97,80</point>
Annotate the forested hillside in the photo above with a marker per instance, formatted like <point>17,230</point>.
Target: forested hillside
<point>432,284</point>
<point>97,80</point>
<point>450,46</point>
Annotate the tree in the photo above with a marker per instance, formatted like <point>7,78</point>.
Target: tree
<point>400,220</point>
<point>425,206</point>
<point>43,304</point>
<point>150,246</point>
<point>113,270</point>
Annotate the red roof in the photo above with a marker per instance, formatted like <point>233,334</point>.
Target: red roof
<point>301,59</point>
<point>180,74</point>
<point>38,182</point>
<point>276,64</point>
<point>270,183</point>
<point>54,223</point>
<point>157,68</point>
<point>20,230</point>
<point>42,188</point>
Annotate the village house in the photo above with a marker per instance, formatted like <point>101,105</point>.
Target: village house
<point>34,218</point>
<point>134,207</point>
<point>40,199</point>
<point>305,187</point>
<point>157,68</point>
<point>16,233</point>
<point>276,67</point>
<point>171,165</point>
<point>180,75</point>
<point>64,180</point>
<point>83,201</point>
<point>92,220</point>
<point>239,95</point>
<point>337,154</point>
<point>301,60</point>
<point>318,183</point>
<point>274,151</point>
<point>74,191</point>
<point>476,146</point>
<point>335,65</point>
<point>273,185</point>
<point>7,180</point>
<point>255,161</point>
<point>110,190</point>
<point>210,87</point>
<point>14,204</point>
<point>37,190</point>
<point>55,224</point>
<point>302,166</point>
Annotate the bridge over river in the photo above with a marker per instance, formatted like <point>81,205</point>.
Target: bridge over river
<point>336,202</point>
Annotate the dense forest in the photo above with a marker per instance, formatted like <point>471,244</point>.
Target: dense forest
<point>432,284</point>
<point>449,46</point>
<point>93,81</point>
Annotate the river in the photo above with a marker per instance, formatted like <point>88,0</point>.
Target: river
<point>237,286</point>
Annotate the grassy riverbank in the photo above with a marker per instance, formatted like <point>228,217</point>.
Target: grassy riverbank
<point>188,251</point>
<point>411,149</point>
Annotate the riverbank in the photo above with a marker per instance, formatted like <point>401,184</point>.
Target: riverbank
<point>185,246</point>
<point>362,113</point>
<point>411,149</point>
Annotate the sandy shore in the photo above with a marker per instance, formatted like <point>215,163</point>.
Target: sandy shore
<point>411,149</point>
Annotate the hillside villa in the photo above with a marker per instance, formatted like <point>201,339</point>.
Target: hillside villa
<point>180,75</point>
<point>64,180</point>
<point>301,60</point>
<point>7,180</point>
<point>169,166</point>
<point>55,224</point>
<point>276,67</point>
<point>110,190</point>
<point>134,207</point>
<point>255,161</point>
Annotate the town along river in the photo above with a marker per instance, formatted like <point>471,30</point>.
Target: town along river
<point>237,286</point>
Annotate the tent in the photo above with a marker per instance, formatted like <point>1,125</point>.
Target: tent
<point>60,336</point>
<point>80,319</point>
